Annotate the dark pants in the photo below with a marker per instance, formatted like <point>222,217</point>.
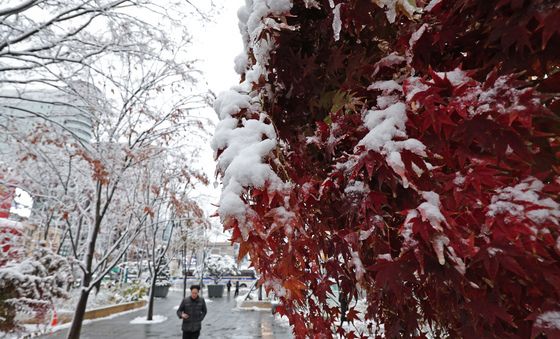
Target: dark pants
<point>191,335</point>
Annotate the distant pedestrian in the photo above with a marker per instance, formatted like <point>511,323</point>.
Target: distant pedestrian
<point>229,286</point>
<point>236,289</point>
<point>192,310</point>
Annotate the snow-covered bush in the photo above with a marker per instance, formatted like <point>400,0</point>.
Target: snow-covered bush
<point>218,266</point>
<point>30,285</point>
<point>163,278</point>
<point>132,292</point>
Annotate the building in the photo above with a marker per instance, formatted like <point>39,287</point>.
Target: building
<point>70,108</point>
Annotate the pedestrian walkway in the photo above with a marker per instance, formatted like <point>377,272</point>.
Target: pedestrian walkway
<point>223,321</point>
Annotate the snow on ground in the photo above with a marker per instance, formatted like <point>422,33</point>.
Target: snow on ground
<point>88,321</point>
<point>142,320</point>
<point>253,308</point>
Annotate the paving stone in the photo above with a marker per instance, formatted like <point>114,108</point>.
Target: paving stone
<point>222,321</point>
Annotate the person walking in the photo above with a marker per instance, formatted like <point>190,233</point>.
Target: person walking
<point>236,289</point>
<point>192,310</point>
<point>228,286</point>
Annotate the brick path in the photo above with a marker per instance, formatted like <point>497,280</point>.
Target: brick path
<point>222,321</point>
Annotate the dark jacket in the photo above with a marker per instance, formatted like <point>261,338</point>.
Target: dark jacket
<point>196,309</point>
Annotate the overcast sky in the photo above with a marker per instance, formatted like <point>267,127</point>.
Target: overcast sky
<point>216,44</point>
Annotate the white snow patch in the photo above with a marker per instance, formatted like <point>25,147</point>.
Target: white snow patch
<point>356,187</point>
<point>457,77</point>
<point>431,5</point>
<point>417,35</point>
<point>142,320</point>
<point>511,201</point>
<point>412,86</point>
<point>358,266</point>
<point>459,179</point>
<point>392,5</point>
<point>430,210</point>
<point>312,4</point>
<point>386,86</point>
<point>241,62</point>
<point>549,320</point>
<point>388,61</point>
<point>337,24</point>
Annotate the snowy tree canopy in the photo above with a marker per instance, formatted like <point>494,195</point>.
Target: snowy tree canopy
<point>217,266</point>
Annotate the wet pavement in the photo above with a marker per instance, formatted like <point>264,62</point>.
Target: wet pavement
<point>222,321</point>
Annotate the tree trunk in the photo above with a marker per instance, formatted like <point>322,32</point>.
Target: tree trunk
<point>61,243</point>
<point>152,298</point>
<point>46,234</point>
<point>76,326</point>
<point>184,268</point>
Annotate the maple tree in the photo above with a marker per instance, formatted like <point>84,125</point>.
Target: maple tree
<point>408,152</point>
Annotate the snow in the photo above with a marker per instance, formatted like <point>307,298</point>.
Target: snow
<point>439,242</point>
<point>493,251</point>
<point>254,308</point>
<point>406,231</point>
<point>365,234</point>
<point>219,265</point>
<point>388,61</point>
<point>241,62</point>
<point>244,143</point>
<point>386,86</point>
<point>245,147</point>
<point>459,179</point>
<point>385,125</point>
<point>337,24</point>
<point>412,86</point>
<point>279,6</point>
<point>312,4</point>
<point>386,257</point>
<point>89,321</point>
<point>276,285</point>
<point>391,7</point>
<point>512,201</point>
<point>430,210</point>
<point>501,97</point>
<point>356,187</point>
<point>388,122</point>
<point>548,320</point>
<point>155,320</point>
<point>417,35</point>
<point>431,5</point>
<point>231,102</point>
<point>384,101</point>
<point>358,266</point>
<point>458,263</point>
<point>457,77</point>
<point>7,223</point>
